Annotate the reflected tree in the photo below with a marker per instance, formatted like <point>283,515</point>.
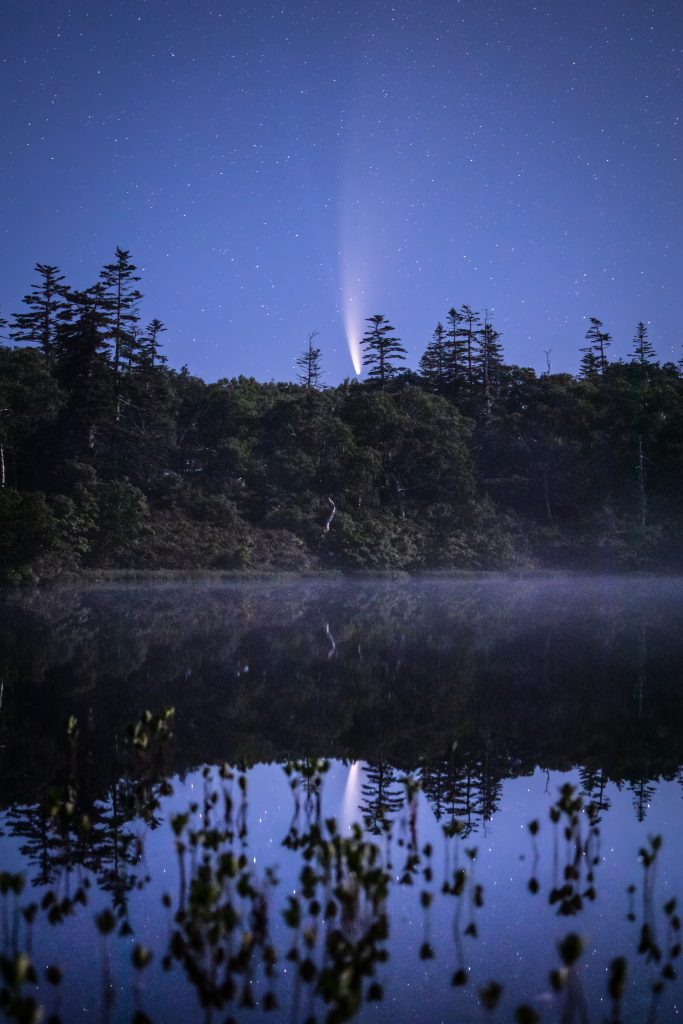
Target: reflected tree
<point>382,796</point>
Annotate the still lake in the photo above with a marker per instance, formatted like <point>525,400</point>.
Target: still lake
<point>444,716</point>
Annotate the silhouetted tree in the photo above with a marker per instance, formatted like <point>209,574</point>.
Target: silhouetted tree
<point>45,304</point>
<point>310,371</point>
<point>643,349</point>
<point>121,298</point>
<point>468,333</point>
<point>381,350</point>
<point>456,344</point>
<point>145,353</point>
<point>434,364</point>
<point>488,359</point>
<point>594,360</point>
<point>83,369</point>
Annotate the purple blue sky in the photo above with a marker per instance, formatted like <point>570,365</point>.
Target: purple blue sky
<point>273,164</point>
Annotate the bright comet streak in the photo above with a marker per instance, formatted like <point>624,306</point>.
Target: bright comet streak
<point>353,335</point>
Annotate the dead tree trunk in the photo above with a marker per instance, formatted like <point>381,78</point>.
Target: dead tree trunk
<point>331,516</point>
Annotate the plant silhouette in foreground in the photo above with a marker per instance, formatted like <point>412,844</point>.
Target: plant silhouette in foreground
<point>317,952</point>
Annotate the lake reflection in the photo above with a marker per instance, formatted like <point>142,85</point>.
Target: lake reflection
<point>491,691</point>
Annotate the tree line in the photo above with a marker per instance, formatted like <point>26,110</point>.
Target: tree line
<point>109,458</point>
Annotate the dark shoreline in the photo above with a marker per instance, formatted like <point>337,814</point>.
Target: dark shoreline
<point>104,576</point>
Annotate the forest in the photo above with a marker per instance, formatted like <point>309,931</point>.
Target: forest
<point>111,460</point>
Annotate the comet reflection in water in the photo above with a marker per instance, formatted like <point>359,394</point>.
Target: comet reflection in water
<point>349,812</point>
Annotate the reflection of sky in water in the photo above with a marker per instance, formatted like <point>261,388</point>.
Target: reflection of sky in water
<point>517,931</point>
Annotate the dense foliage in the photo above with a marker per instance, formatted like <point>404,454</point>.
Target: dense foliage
<point>111,459</point>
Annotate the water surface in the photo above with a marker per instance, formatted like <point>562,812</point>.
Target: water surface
<point>492,692</point>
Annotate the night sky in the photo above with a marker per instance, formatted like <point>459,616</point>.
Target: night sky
<point>273,165</point>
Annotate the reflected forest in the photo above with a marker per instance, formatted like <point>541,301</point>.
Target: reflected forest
<point>437,674</point>
<point>314,813</point>
<point>112,460</point>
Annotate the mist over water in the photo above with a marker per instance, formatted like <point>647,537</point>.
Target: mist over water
<point>493,691</point>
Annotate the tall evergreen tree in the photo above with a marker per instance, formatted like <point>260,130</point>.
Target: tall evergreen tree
<point>488,358</point>
<point>456,346</point>
<point>381,350</point>
<point>434,364</point>
<point>643,349</point>
<point>468,334</point>
<point>122,298</point>
<point>150,354</point>
<point>310,370</point>
<point>46,303</point>
<point>82,367</point>
<point>594,360</point>
<point>589,367</point>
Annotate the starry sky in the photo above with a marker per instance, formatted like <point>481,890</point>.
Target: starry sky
<point>277,168</point>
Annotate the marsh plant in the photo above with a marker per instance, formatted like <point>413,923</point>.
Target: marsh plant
<point>247,945</point>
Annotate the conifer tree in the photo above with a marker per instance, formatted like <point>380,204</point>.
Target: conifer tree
<point>309,365</point>
<point>150,345</point>
<point>488,358</point>
<point>589,367</point>
<point>468,334</point>
<point>434,364</point>
<point>46,303</point>
<point>122,298</point>
<point>594,360</point>
<point>82,366</point>
<point>456,347</point>
<point>643,349</point>
<point>381,350</point>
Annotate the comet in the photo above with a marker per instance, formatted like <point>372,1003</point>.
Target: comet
<point>354,272</point>
<point>353,328</point>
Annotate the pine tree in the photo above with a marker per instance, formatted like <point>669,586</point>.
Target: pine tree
<point>589,367</point>
<point>46,303</point>
<point>594,360</point>
<point>309,365</point>
<point>643,349</point>
<point>434,364</point>
<point>82,365</point>
<point>150,344</point>
<point>122,299</point>
<point>468,335</point>
<point>488,358</point>
<point>456,346</point>
<point>381,350</point>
